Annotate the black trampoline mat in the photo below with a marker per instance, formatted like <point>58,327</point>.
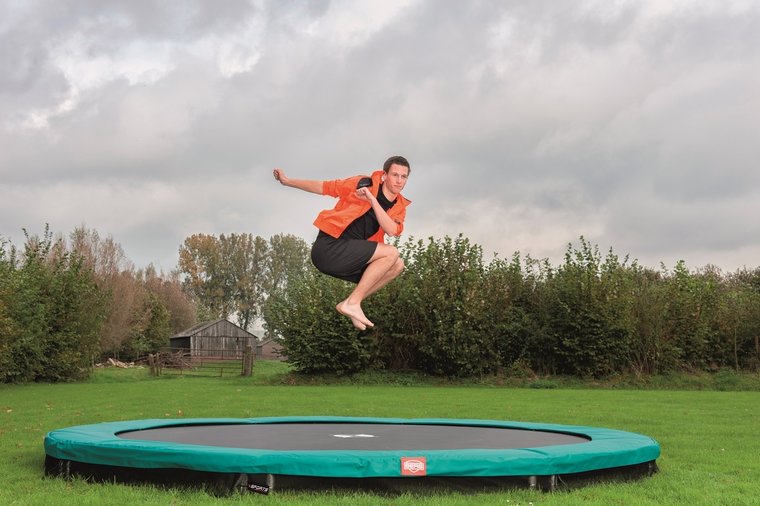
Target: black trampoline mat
<point>354,436</point>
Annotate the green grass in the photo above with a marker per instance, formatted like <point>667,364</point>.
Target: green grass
<point>709,438</point>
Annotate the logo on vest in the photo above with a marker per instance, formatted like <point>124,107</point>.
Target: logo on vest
<point>413,466</point>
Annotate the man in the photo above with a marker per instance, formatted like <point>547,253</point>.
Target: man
<point>351,240</point>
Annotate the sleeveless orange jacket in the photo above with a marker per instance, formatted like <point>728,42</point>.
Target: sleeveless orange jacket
<point>349,207</point>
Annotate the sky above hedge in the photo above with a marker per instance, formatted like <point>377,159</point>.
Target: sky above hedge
<point>527,124</point>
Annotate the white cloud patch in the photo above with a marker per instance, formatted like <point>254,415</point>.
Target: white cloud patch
<point>137,63</point>
<point>349,23</point>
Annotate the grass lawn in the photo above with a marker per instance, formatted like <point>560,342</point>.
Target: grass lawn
<point>709,439</point>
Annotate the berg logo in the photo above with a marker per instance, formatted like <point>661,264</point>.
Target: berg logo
<point>413,466</point>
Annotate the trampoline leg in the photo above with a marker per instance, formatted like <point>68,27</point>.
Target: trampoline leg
<point>548,483</point>
<point>270,481</point>
<point>64,469</point>
<point>241,483</point>
<point>543,483</point>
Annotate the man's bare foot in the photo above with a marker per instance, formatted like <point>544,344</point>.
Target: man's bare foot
<point>354,311</point>
<point>359,325</point>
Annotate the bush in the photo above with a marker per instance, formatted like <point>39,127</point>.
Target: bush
<point>7,325</point>
<point>727,380</point>
<point>586,316</point>
<point>53,312</point>
<point>451,314</point>
<point>317,339</point>
<point>452,331</point>
<point>150,329</point>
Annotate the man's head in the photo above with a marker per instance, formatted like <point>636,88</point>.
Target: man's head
<point>397,171</point>
<point>396,160</point>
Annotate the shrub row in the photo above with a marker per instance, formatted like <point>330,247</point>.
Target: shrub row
<point>453,314</point>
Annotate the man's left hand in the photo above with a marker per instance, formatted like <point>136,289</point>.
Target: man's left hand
<point>365,194</point>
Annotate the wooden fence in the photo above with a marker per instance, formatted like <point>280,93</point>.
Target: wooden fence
<point>181,361</point>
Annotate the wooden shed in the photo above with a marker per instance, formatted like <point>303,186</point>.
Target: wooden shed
<point>269,349</point>
<point>217,338</point>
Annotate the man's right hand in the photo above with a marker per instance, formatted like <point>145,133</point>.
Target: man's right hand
<point>280,176</point>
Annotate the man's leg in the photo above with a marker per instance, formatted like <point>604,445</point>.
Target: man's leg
<point>383,267</point>
<point>396,269</point>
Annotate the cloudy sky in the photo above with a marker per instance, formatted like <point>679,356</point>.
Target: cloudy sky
<point>527,123</point>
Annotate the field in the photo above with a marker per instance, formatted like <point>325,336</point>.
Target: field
<point>709,439</point>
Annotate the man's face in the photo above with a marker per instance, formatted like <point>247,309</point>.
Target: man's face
<point>396,177</point>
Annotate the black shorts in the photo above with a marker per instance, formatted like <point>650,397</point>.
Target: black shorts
<point>342,258</point>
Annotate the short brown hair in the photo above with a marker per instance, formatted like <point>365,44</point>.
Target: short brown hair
<point>398,160</point>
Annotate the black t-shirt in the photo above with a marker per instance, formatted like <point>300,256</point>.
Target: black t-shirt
<point>366,225</point>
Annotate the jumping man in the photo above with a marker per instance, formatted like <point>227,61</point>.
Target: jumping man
<point>351,240</point>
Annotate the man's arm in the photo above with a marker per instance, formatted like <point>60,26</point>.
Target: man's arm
<point>389,226</point>
<point>309,185</point>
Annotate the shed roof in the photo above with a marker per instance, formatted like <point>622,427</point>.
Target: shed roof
<point>200,327</point>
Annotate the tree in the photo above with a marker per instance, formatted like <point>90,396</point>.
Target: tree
<point>115,275</point>
<point>7,325</point>
<point>150,330</point>
<point>739,319</point>
<point>246,258</point>
<point>288,259</point>
<point>205,276</point>
<point>168,288</point>
<point>649,352</point>
<point>57,310</point>
<point>235,274</point>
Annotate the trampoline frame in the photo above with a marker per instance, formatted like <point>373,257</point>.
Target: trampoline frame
<point>100,444</point>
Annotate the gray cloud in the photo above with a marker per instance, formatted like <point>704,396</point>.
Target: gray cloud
<point>528,124</point>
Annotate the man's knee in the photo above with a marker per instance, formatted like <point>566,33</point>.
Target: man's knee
<point>398,267</point>
<point>389,252</point>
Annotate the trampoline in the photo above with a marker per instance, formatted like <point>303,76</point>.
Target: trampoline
<point>300,452</point>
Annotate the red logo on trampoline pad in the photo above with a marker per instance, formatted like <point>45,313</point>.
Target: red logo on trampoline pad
<point>413,466</point>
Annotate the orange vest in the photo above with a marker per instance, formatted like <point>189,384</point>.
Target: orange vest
<point>349,207</point>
